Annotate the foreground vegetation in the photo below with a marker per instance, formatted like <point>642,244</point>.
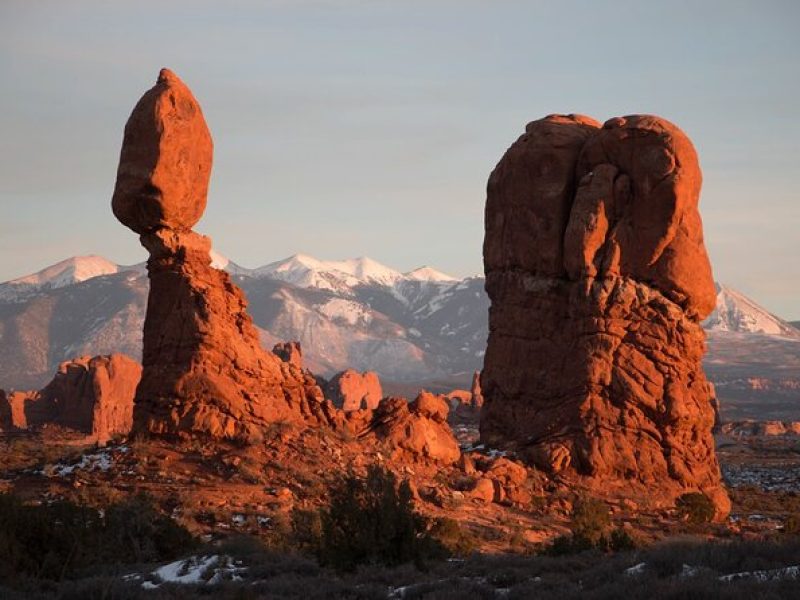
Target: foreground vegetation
<point>368,542</point>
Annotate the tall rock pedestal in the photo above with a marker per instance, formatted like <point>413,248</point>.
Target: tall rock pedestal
<point>598,279</point>
<point>204,371</point>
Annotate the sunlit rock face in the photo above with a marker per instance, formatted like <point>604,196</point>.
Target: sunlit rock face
<point>598,280</point>
<point>92,395</point>
<point>204,371</point>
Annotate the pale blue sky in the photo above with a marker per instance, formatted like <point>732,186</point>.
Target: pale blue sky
<point>369,128</point>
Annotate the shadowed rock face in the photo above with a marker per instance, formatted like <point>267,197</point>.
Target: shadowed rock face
<point>598,278</point>
<point>204,371</point>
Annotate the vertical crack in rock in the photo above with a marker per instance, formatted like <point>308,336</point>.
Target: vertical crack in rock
<point>598,280</point>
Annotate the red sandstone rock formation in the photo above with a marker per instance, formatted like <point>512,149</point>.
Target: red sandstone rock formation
<point>476,395</point>
<point>289,352</point>
<point>416,431</point>
<point>90,395</point>
<point>204,371</point>
<point>6,418</point>
<point>351,390</point>
<point>748,428</point>
<point>14,410</point>
<point>598,278</point>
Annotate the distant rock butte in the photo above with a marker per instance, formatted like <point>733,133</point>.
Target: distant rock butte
<point>204,371</point>
<point>90,395</point>
<point>351,390</point>
<point>598,279</point>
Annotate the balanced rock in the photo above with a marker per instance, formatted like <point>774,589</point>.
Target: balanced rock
<point>92,395</point>
<point>204,370</point>
<point>165,162</point>
<point>598,279</point>
<point>351,390</point>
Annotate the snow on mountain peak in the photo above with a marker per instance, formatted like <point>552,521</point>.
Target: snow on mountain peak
<point>426,273</point>
<point>335,275</point>
<point>218,261</point>
<point>735,312</point>
<point>66,272</point>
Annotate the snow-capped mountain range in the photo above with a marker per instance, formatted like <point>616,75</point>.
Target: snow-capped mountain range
<point>735,312</point>
<point>414,326</point>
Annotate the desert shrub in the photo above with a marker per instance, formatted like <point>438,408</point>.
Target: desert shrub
<point>590,520</point>
<point>134,529</point>
<point>589,525</point>
<point>695,507</point>
<point>306,529</point>
<point>371,520</point>
<point>56,541</point>
<point>452,537</point>
<point>792,524</point>
<point>620,541</point>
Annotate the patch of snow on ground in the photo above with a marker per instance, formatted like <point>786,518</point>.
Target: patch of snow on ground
<point>689,570</point>
<point>636,569</point>
<point>99,461</point>
<point>206,570</point>
<point>782,574</point>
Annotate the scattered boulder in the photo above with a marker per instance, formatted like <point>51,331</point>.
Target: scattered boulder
<point>431,406</point>
<point>204,370</point>
<point>416,431</point>
<point>483,490</point>
<point>351,390</point>
<point>598,279</point>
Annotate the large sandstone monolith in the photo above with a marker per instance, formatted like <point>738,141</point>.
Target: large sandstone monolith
<point>204,371</point>
<point>598,279</point>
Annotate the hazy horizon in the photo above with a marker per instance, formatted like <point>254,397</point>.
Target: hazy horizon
<point>347,129</point>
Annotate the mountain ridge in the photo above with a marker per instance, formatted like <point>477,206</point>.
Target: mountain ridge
<point>413,326</point>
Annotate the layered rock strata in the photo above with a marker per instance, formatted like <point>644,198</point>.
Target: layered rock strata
<point>598,280</point>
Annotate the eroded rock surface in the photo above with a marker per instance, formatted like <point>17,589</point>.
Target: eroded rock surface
<point>351,390</point>
<point>415,431</point>
<point>204,371</point>
<point>598,278</point>
<point>93,395</point>
<point>289,352</point>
